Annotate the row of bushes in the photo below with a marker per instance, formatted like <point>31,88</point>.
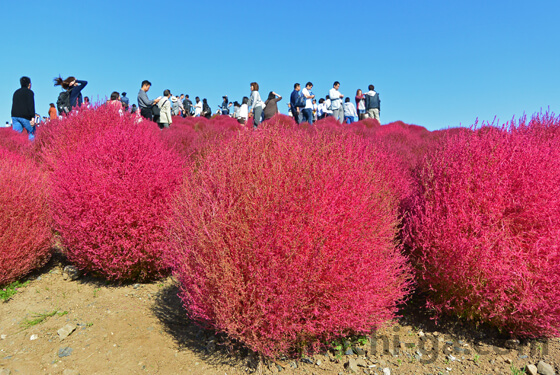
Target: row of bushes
<point>291,236</point>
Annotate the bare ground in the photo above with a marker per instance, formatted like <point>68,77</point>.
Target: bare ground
<point>143,329</point>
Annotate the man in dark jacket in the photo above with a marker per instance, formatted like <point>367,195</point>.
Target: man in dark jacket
<point>23,108</point>
<point>293,105</point>
<point>187,105</point>
<point>373,103</point>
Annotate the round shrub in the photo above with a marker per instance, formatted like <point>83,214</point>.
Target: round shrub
<point>485,231</point>
<point>60,137</point>
<point>110,199</point>
<point>25,231</point>
<point>285,239</point>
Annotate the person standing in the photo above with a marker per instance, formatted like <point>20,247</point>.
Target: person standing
<point>256,103</point>
<point>206,110</point>
<point>23,108</point>
<point>308,109</point>
<point>336,102</point>
<point>73,95</point>
<point>243,113</point>
<point>271,105</point>
<point>144,103</point>
<point>197,107</point>
<point>52,111</point>
<point>294,101</point>
<point>165,110</point>
<point>360,104</point>
<point>350,113</point>
<point>373,103</point>
<point>187,105</point>
<point>224,108</point>
<point>125,101</point>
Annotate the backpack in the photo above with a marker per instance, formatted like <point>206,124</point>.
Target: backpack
<point>63,103</point>
<point>300,101</point>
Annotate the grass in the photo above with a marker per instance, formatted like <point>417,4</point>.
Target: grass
<point>516,371</point>
<point>39,318</point>
<point>10,290</point>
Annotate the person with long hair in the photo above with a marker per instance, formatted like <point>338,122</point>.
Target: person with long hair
<point>52,111</point>
<point>243,113</point>
<point>271,108</point>
<point>360,104</point>
<point>256,103</point>
<point>73,88</point>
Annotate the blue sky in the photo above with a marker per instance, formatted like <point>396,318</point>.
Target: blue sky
<point>437,64</point>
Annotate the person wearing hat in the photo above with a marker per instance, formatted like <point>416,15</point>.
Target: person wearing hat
<point>225,106</point>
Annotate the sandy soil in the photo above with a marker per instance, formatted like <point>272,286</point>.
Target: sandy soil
<point>143,329</point>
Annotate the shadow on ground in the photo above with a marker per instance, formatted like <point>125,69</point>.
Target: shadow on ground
<point>214,348</point>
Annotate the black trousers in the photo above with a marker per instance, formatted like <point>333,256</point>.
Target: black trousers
<point>146,113</point>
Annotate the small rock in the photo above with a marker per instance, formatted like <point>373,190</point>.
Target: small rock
<point>293,364</point>
<point>523,356</point>
<point>307,360</point>
<point>451,358</point>
<point>508,361</point>
<point>38,278</point>
<point>66,331</point>
<point>351,365</point>
<point>136,286</point>
<point>349,351</point>
<point>531,369</point>
<point>545,369</point>
<point>319,362</point>
<point>512,344</point>
<point>70,372</point>
<point>360,351</point>
<point>65,352</point>
<point>3,337</point>
<point>71,273</point>
<point>386,371</point>
<point>436,334</point>
<point>33,337</point>
<point>361,362</point>
<point>280,368</point>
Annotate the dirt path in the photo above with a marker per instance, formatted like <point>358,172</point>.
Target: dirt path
<point>142,329</point>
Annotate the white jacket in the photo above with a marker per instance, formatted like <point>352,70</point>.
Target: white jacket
<point>165,107</point>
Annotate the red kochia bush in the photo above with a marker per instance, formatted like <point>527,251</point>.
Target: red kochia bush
<point>286,238</point>
<point>485,233</point>
<point>110,199</point>
<point>25,232</point>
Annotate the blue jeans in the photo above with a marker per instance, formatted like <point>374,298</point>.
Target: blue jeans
<point>19,123</point>
<point>307,115</point>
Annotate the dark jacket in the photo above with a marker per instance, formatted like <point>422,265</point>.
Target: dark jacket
<point>293,99</point>
<point>372,100</point>
<point>76,94</point>
<point>23,104</point>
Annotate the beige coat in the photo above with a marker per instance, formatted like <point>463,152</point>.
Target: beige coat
<point>165,107</point>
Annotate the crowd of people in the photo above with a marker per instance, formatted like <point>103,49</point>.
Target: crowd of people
<point>303,105</point>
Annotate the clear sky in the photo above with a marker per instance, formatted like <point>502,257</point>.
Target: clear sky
<point>439,64</point>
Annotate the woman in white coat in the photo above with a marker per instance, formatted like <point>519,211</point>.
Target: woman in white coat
<point>165,110</point>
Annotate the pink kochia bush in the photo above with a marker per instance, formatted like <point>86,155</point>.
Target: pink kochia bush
<point>59,137</point>
<point>110,200</point>
<point>485,233</point>
<point>25,226</point>
<point>285,239</point>
<point>191,135</point>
